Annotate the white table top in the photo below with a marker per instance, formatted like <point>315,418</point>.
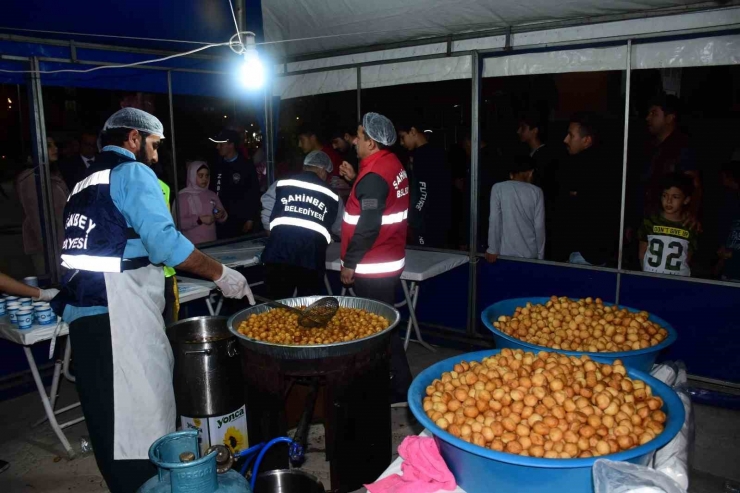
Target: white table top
<point>420,265</point>
<point>193,289</point>
<point>240,254</point>
<point>29,337</point>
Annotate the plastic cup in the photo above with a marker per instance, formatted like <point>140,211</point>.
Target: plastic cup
<point>44,315</point>
<point>12,311</point>
<point>31,281</point>
<point>11,299</point>
<point>24,318</point>
<point>2,306</point>
<point>26,302</point>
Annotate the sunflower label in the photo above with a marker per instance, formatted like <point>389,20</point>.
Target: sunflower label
<point>229,429</point>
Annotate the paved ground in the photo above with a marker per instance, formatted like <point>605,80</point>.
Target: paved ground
<point>39,464</point>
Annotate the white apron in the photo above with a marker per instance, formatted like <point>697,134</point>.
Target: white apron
<point>143,396</point>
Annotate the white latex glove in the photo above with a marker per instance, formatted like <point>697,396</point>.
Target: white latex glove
<point>46,294</point>
<point>234,285</point>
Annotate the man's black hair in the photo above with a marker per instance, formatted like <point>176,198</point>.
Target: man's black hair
<point>681,181</point>
<point>535,119</point>
<point>338,133</point>
<point>588,123</point>
<point>521,164</point>
<point>309,129</point>
<point>407,125</point>
<point>669,103</point>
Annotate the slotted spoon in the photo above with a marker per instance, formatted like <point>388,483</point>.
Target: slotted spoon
<point>317,314</point>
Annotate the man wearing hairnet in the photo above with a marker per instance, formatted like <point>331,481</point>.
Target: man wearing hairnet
<point>300,214</point>
<point>374,228</point>
<point>118,234</point>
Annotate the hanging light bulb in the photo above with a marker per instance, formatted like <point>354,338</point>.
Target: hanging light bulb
<point>252,72</point>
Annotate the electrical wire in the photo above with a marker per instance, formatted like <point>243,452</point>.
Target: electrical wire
<point>128,65</point>
<point>112,36</point>
<point>236,24</point>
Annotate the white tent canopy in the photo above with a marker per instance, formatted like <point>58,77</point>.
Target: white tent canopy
<point>704,41</point>
<point>319,26</point>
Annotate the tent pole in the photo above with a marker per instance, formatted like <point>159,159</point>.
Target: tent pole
<point>267,132</point>
<point>172,136</point>
<point>624,167</point>
<point>41,159</point>
<point>359,94</point>
<point>474,153</point>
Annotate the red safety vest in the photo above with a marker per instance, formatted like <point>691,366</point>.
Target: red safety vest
<point>387,256</point>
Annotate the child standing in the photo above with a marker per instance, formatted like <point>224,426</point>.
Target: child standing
<point>666,245</point>
<point>516,226</point>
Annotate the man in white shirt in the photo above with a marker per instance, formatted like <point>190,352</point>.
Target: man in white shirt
<point>516,226</point>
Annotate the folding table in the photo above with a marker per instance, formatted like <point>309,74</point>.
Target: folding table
<point>239,254</point>
<point>420,266</point>
<point>27,338</point>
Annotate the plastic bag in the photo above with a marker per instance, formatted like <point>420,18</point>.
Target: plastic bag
<point>675,457</point>
<point>624,477</point>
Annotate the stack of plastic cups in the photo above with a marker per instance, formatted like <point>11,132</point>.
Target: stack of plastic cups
<point>28,302</point>
<point>43,313</point>
<point>3,300</point>
<point>24,317</point>
<point>12,308</point>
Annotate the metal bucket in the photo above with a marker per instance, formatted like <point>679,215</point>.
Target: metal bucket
<point>287,481</point>
<point>208,379</point>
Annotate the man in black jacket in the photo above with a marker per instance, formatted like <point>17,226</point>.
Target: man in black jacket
<point>431,188</point>
<point>235,181</point>
<point>532,131</point>
<point>588,202</point>
<point>75,168</point>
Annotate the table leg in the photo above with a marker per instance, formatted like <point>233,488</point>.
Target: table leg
<point>209,303</point>
<point>55,383</point>
<point>412,296</point>
<point>47,405</point>
<point>219,305</point>
<point>67,356</point>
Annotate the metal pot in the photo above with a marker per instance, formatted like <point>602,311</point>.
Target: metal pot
<point>317,351</point>
<point>208,379</point>
<point>287,481</point>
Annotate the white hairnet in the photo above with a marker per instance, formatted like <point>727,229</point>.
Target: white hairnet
<point>379,128</point>
<point>135,120</point>
<point>319,159</point>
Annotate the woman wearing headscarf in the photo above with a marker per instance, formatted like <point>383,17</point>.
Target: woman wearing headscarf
<point>198,207</point>
<point>28,195</point>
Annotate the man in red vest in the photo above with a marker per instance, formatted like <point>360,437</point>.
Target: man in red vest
<point>374,228</point>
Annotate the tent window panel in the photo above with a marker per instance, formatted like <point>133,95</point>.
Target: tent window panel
<point>690,132</point>
<point>528,117</point>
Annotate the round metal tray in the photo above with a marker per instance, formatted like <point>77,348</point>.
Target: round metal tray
<point>316,351</point>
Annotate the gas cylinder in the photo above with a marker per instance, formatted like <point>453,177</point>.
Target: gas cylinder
<point>181,469</point>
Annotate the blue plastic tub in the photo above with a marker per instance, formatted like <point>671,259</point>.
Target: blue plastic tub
<point>642,359</point>
<point>481,470</point>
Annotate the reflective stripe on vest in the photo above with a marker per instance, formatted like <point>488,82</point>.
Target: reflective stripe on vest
<point>380,267</point>
<point>97,178</point>
<point>308,186</point>
<point>301,223</point>
<point>92,263</point>
<point>387,219</point>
